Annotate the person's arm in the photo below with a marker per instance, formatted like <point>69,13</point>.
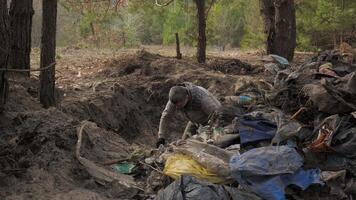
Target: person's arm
<point>210,104</point>
<point>166,118</point>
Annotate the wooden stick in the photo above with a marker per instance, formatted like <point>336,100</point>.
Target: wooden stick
<point>179,54</point>
<point>159,171</point>
<point>302,109</point>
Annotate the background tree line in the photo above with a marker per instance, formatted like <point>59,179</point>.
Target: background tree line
<point>320,24</point>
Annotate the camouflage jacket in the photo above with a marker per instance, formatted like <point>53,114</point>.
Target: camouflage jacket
<point>198,109</point>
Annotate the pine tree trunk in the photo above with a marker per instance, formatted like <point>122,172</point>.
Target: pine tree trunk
<point>268,13</point>
<point>48,52</point>
<point>285,40</point>
<point>201,51</point>
<point>4,50</point>
<point>21,12</point>
<point>280,27</point>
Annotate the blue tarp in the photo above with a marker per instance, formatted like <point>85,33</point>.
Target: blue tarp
<point>266,171</point>
<point>252,130</point>
<point>270,160</point>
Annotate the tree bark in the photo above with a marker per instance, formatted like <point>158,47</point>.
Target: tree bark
<point>201,51</point>
<point>21,12</point>
<point>280,27</point>
<point>285,28</point>
<point>268,13</point>
<point>179,55</point>
<point>4,50</point>
<point>48,53</point>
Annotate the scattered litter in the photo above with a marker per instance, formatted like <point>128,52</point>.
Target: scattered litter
<point>190,188</point>
<point>252,130</point>
<point>267,171</point>
<point>179,164</point>
<point>125,168</point>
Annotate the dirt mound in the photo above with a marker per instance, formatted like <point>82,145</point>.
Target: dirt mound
<point>114,108</point>
<point>37,148</point>
<point>232,66</point>
<point>122,96</point>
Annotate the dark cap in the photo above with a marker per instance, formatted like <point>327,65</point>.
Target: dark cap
<point>177,94</point>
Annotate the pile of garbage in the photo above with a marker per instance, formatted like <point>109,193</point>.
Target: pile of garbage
<point>290,137</point>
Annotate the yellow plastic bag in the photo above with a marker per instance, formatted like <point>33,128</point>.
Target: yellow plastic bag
<point>179,164</point>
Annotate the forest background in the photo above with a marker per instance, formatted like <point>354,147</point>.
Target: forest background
<point>321,24</point>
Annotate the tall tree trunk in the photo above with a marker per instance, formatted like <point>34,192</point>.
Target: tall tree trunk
<point>268,13</point>
<point>280,27</point>
<point>4,50</point>
<point>48,52</point>
<point>285,28</point>
<point>201,51</point>
<point>21,12</point>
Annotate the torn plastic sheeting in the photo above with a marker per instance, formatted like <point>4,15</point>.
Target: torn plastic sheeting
<point>334,97</point>
<point>268,170</point>
<point>179,164</point>
<point>344,137</point>
<point>286,128</point>
<point>209,156</point>
<point>344,142</point>
<point>256,130</point>
<point>189,188</point>
<point>280,60</point>
<point>323,140</point>
<point>335,180</point>
<point>271,160</point>
<point>272,187</point>
<point>325,131</point>
<point>336,133</point>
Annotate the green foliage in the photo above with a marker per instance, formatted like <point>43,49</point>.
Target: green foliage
<point>149,21</point>
<point>253,32</point>
<point>322,23</point>
<point>230,23</point>
<point>180,18</point>
<point>84,24</point>
<point>227,20</point>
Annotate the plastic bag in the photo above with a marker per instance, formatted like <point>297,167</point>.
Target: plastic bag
<point>189,188</point>
<point>210,157</point>
<point>179,164</point>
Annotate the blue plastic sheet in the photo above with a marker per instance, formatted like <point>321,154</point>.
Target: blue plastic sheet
<point>252,130</point>
<point>267,171</point>
<point>270,160</point>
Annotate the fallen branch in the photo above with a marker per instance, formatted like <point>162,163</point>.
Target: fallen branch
<point>295,115</point>
<point>159,171</point>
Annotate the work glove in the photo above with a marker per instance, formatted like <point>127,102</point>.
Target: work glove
<point>160,141</point>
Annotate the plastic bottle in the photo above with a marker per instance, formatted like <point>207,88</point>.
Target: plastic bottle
<point>239,100</point>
